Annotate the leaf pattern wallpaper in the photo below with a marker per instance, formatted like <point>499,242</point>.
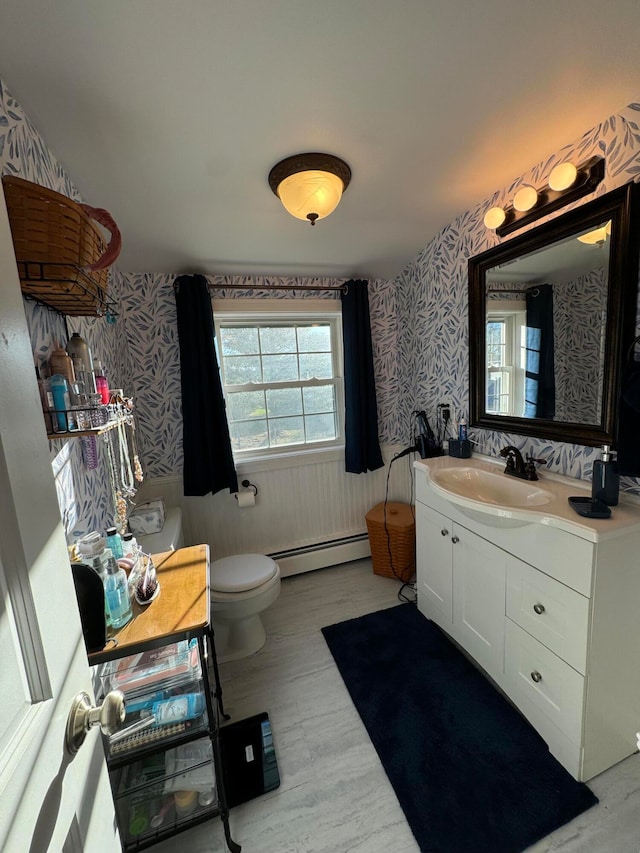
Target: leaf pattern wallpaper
<point>419,325</point>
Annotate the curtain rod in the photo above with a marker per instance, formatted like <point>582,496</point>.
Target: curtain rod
<point>343,288</point>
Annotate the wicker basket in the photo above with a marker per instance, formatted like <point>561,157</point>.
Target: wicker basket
<point>392,537</point>
<point>54,241</point>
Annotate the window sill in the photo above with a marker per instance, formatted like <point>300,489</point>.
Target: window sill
<point>293,459</point>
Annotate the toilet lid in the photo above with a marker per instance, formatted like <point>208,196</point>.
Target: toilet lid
<point>241,572</point>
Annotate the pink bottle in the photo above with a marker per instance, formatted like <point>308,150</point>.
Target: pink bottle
<point>102,386</point>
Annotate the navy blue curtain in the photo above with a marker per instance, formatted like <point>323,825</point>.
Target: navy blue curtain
<point>540,378</point>
<point>208,460</point>
<point>362,448</point>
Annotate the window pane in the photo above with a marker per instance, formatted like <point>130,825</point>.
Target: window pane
<point>246,404</point>
<point>315,366</point>
<point>242,368</point>
<point>314,339</point>
<point>241,341</point>
<point>280,368</point>
<point>320,427</point>
<point>319,399</point>
<point>286,431</point>
<point>284,401</point>
<point>249,435</point>
<point>278,339</point>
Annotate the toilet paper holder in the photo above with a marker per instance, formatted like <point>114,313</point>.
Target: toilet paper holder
<point>247,485</point>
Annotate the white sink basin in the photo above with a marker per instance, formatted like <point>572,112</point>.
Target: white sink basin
<point>486,487</point>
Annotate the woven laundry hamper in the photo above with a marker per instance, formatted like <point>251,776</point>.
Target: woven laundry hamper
<point>393,543</point>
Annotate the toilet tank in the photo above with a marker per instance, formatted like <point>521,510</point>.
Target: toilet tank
<point>170,538</point>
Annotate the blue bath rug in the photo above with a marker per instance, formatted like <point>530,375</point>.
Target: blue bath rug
<point>469,771</point>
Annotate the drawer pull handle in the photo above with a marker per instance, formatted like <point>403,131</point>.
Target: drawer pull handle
<point>455,539</point>
<point>539,608</point>
<point>444,531</point>
<point>536,676</point>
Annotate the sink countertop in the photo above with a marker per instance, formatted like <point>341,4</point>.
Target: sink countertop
<point>556,513</point>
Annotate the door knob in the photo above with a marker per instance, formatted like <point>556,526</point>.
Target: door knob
<point>83,716</point>
<point>455,539</point>
<point>536,676</point>
<point>539,608</point>
<point>444,531</point>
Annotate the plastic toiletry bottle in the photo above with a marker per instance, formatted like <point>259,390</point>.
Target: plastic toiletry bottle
<point>59,362</point>
<point>64,419</point>
<point>102,384</point>
<point>79,351</point>
<point>114,541</point>
<point>605,484</point>
<point>462,429</point>
<point>117,593</point>
<point>129,546</point>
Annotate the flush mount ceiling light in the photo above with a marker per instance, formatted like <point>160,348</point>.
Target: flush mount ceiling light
<point>310,185</point>
<point>598,236</point>
<point>567,183</point>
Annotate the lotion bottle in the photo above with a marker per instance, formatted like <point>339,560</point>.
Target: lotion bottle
<point>605,484</point>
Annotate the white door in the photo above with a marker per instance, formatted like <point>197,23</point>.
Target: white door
<point>48,802</point>
<point>479,579</point>
<point>434,569</point>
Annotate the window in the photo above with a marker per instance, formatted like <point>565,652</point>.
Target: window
<point>282,377</point>
<point>505,362</point>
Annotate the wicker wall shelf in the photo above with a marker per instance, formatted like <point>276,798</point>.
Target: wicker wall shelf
<point>65,288</point>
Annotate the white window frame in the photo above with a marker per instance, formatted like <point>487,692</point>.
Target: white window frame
<point>513,315</point>
<point>282,311</point>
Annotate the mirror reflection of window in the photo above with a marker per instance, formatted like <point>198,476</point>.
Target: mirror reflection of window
<point>506,340</point>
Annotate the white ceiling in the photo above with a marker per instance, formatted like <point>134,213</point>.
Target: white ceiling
<point>170,113</point>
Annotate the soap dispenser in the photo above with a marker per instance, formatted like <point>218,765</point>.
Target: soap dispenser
<point>605,483</point>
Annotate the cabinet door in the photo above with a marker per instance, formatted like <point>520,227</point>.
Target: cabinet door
<point>433,566</point>
<point>479,578</point>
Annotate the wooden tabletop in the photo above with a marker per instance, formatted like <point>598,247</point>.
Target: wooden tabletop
<point>180,611</point>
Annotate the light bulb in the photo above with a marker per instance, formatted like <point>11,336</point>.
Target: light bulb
<point>563,176</point>
<point>525,199</point>
<point>494,217</point>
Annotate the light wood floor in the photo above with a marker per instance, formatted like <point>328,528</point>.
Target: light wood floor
<point>334,795</point>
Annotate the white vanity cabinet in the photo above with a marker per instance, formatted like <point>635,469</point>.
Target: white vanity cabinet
<point>551,615</point>
<point>461,586</point>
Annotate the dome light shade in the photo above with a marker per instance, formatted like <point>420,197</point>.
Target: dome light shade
<point>525,198</point>
<point>598,236</point>
<point>310,186</point>
<point>494,217</point>
<point>563,176</point>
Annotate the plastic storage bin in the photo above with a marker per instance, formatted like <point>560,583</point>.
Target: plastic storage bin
<point>392,537</point>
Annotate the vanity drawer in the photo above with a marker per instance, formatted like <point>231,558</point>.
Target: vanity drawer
<point>553,613</point>
<point>543,685</point>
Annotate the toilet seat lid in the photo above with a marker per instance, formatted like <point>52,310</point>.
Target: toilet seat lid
<point>241,572</point>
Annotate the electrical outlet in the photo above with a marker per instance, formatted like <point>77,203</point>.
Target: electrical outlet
<point>445,411</point>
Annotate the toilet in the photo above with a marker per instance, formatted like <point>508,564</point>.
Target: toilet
<point>242,586</point>
<point>170,538</point>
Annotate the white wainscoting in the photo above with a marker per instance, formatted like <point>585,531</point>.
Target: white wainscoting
<point>310,514</point>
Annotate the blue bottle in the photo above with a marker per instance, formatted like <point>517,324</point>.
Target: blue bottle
<point>114,541</point>
<point>116,591</point>
<point>62,402</point>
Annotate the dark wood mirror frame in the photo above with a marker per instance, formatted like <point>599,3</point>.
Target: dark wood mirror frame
<point>622,206</point>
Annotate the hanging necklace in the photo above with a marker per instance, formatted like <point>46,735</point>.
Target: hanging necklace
<point>119,504</point>
<point>137,466</point>
<point>126,474</point>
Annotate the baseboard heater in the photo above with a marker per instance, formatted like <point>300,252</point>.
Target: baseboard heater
<point>319,555</point>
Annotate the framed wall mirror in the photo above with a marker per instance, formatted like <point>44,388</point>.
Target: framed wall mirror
<point>552,315</point>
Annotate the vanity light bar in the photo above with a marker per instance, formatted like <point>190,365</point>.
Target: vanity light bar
<point>532,203</point>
